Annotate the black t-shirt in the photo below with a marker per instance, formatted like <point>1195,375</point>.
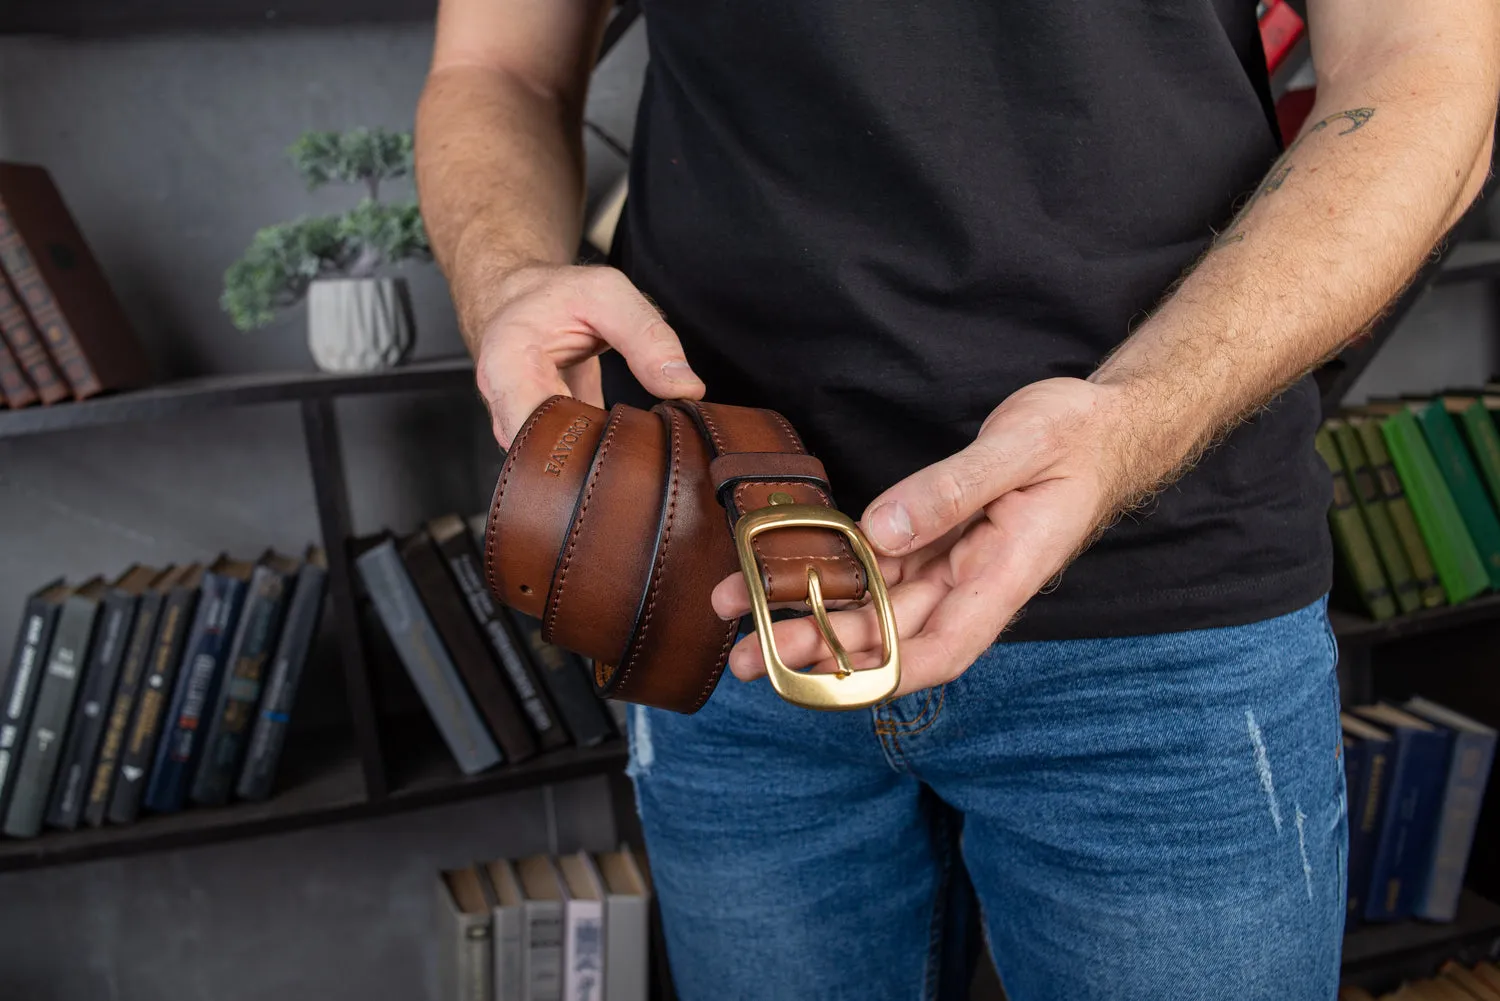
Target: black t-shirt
<point>881,218</point>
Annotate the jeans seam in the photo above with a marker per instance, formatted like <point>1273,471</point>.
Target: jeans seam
<point>908,724</point>
<point>942,694</point>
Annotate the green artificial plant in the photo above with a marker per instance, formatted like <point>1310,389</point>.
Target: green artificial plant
<point>282,260</point>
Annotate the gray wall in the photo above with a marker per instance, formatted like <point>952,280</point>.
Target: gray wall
<point>169,149</point>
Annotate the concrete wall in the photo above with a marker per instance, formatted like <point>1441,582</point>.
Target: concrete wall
<point>169,149</point>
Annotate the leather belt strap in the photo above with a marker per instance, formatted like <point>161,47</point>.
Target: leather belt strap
<point>613,529</point>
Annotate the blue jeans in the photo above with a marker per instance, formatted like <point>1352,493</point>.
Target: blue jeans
<point>1158,817</point>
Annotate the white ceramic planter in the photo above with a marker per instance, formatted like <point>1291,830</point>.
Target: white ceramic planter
<point>359,324</point>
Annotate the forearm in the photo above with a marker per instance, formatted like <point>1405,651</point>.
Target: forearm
<point>1382,169</point>
<point>500,177</point>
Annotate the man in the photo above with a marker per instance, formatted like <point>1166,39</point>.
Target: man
<point>969,249</point>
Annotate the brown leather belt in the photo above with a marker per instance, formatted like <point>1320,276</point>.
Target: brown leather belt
<point>613,528</point>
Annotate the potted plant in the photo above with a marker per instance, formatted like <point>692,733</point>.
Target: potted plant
<point>358,319</point>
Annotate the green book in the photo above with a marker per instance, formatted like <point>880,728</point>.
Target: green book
<point>1372,508</point>
<point>1399,509</point>
<point>1457,466</point>
<point>1458,564</point>
<point>1476,419</point>
<point>1352,538</point>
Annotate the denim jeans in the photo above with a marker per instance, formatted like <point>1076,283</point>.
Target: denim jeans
<point>1157,817</point>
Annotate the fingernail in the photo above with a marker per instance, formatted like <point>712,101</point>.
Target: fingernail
<point>890,526</point>
<point>678,371</point>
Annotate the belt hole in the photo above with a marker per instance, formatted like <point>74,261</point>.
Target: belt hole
<point>525,588</point>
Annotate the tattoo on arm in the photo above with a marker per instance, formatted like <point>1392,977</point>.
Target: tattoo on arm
<point>1282,168</point>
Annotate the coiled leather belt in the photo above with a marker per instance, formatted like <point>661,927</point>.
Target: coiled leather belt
<point>613,528</point>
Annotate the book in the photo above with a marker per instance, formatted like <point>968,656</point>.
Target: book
<point>507,909</point>
<point>542,928</point>
<point>204,657</point>
<point>42,750</point>
<point>1475,418</point>
<point>25,342</point>
<point>583,929</point>
<point>255,636</point>
<point>1356,549</point>
<point>95,692</point>
<point>148,718</point>
<point>132,671</point>
<point>470,653</point>
<point>62,287</point>
<point>1468,491</point>
<point>1367,769</point>
<point>456,545</point>
<point>15,390</point>
<point>304,612</point>
<point>627,927</point>
<point>1459,567</point>
<point>425,659</point>
<point>1399,509</point>
<point>1372,507</point>
<point>466,968</point>
<point>1463,793</point>
<point>27,662</point>
<point>1418,773</point>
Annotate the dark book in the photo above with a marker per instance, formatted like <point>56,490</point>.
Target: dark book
<point>95,692</point>
<point>149,715</point>
<point>1463,793</point>
<point>239,694</point>
<point>132,671</point>
<point>62,287</point>
<point>1399,508</point>
<point>203,660</point>
<point>15,391</point>
<point>424,657</point>
<point>27,662</point>
<point>467,648</point>
<point>304,612</point>
<point>452,538</point>
<point>1418,771</point>
<point>1367,771</point>
<point>42,750</point>
<point>25,342</point>
<point>566,676</point>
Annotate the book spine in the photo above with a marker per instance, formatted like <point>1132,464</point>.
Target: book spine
<point>178,751</point>
<point>509,962</point>
<point>223,747</point>
<point>1468,773</point>
<point>1406,831</point>
<point>1377,518</point>
<point>150,712</point>
<point>583,951</point>
<point>566,679</point>
<point>116,615</point>
<point>132,670</point>
<point>626,948</point>
<point>1405,523</point>
<point>1463,482</point>
<point>425,660</point>
<point>1352,538</point>
<point>42,305</point>
<point>49,723</point>
<point>21,685</point>
<point>1365,820</point>
<point>1484,439</point>
<point>14,388</point>
<point>476,960</point>
<point>1459,568</point>
<point>269,734</point>
<point>543,950</point>
<point>26,344</point>
<point>509,650</point>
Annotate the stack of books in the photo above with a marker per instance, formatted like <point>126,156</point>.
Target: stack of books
<point>1416,501</point>
<point>161,687</point>
<point>542,928</point>
<point>1416,776</point>
<point>496,689</point>
<point>1454,982</point>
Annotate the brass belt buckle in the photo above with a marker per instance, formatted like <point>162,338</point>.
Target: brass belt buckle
<point>846,688</point>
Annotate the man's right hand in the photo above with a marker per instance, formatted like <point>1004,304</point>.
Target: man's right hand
<point>546,335</point>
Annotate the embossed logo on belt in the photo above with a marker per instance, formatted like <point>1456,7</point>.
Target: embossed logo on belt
<point>562,451</point>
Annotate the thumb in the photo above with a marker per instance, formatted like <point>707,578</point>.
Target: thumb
<point>933,501</point>
<point>630,324</point>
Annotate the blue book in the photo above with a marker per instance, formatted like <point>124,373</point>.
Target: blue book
<point>1468,772</point>
<point>1367,755</point>
<point>1419,773</point>
<point>203,659</point>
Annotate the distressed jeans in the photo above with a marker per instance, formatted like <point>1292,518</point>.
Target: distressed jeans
<point>1157,817</point>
